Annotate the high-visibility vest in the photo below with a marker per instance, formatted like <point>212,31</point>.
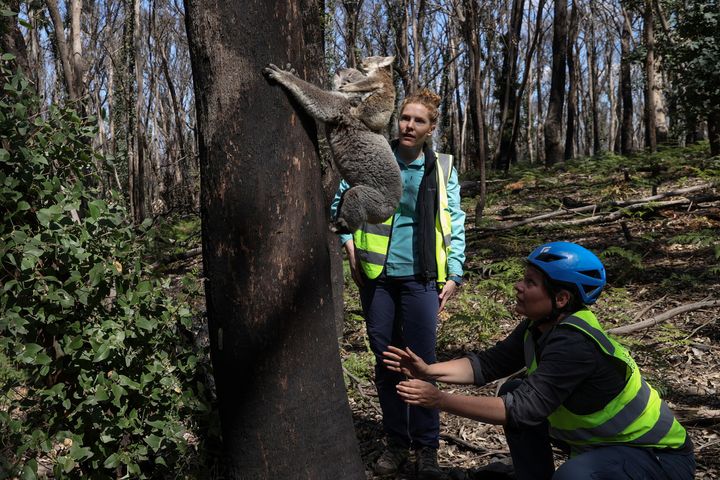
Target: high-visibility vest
<point>636,416</point>
<point>372,240</point>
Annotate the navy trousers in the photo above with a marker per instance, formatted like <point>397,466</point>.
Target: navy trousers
<point>532,458</point>
<point>402,312</point>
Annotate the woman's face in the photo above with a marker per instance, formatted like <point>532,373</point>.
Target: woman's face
<point>414,125</point>
<point>533,300</point>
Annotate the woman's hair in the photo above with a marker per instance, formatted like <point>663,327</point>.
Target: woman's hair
<point>426,98</point>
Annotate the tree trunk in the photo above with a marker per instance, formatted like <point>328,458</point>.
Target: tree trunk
<point>283,409</point>
<point>508,92</point>
<point>572,107</point>
<point>468,15</point>
<point>63,50</point>
<point>713,125</point>
<point>553,121</point>
<point>626,126</point>
<point>594,85</point>
<point>650,94</point>
<point>11,38</point>
<point>352,13</point>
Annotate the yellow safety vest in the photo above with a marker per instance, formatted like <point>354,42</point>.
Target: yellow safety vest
<point>372,240</point>
<point>636,416</point>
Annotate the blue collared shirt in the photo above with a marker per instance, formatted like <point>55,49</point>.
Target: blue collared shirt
<point>403,258</point>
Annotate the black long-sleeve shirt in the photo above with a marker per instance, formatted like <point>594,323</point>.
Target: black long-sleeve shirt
<point>571,371</point>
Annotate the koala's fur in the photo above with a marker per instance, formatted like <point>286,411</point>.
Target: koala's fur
<point>354,117</point>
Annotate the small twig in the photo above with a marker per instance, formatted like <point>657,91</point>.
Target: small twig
<point>712,320</point>
<point>648,308</point>
<point>360,390</point>
<point>471,446</point>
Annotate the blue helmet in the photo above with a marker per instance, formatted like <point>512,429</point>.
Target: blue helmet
<point>572,264</point>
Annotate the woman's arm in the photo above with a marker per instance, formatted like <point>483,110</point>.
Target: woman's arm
<point>457,371</point>
<point>424,394</point>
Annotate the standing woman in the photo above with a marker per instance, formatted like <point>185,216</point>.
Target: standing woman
<point>407,269</point>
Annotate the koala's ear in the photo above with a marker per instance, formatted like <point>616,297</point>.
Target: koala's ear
<point>387,61</point>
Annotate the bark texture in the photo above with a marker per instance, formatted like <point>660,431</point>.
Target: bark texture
<point>283,408</point>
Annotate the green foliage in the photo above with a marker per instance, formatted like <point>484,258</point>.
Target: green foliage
<point>691,51</point>
<point>621,263</point>
<point>98,364</point>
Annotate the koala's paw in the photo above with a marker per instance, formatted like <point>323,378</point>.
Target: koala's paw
<point>340,226</point>
<point>272,72</point>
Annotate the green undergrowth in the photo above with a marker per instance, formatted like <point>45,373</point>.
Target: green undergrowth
<point>100,375</point>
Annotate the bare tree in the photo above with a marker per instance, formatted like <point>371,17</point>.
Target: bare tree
<point>275,358</point>
<point>625,85</point>
<point>553,121</point>
<point>572,104</point>
<point>467,13</point>
<point>649,87</point>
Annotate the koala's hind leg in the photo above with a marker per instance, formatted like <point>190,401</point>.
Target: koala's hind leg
<point>362,204</point>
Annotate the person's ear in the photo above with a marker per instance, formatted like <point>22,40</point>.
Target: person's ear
<point>562,298</point>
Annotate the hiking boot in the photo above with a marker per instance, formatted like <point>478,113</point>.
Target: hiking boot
<point>426,465</point>
<point>391,459</point>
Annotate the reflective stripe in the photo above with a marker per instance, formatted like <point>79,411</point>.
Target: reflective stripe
<point>445,162</point>
<point>660,429</point>
<point>382,229</point>
<point>615,425</point>
<point>370,257</point>
<point>599,337</point>
<point>446,239</point>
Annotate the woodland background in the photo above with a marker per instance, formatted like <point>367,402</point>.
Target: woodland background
<point>597,122</point>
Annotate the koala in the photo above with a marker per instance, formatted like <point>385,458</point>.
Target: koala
<point>353,117</point>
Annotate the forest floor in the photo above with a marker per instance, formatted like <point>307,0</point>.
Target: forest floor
<point>659,256</point>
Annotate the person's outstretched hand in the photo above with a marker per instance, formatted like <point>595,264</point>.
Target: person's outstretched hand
<point>419,392</point>
<point>405,362</point>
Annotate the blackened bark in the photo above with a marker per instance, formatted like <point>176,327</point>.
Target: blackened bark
<point>626,126</point>
<point>11,38</point>
<point>283,409</point>
<point>508,93</point>
<point>468,14</point>
<point>572,107</point>
<point>553,121</point>
<point>650,94</point>
<point>713,124</point>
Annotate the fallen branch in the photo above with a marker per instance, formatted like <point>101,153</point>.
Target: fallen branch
<point>663,316</point>
<point>594,208</point>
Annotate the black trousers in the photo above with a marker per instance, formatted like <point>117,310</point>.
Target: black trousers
<point>531,451</point>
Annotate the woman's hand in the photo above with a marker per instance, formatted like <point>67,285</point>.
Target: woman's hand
<point>405,362</point>
<point>419,392</point>
<point>448,291</point>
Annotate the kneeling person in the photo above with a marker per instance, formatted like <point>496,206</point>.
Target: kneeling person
<point>582,389</point>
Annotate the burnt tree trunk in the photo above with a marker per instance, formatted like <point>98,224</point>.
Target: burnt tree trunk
<point>553,121</point>
<point>572,103</point>
<point>626,128</point>
<point>650,93</point>
<point>283,409</point>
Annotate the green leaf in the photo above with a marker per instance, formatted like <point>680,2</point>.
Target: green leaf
<point>101,394</point>
<point>80,453</point>
<point>112,461</point>
<point>29,473</point>
<point>154,441</point>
